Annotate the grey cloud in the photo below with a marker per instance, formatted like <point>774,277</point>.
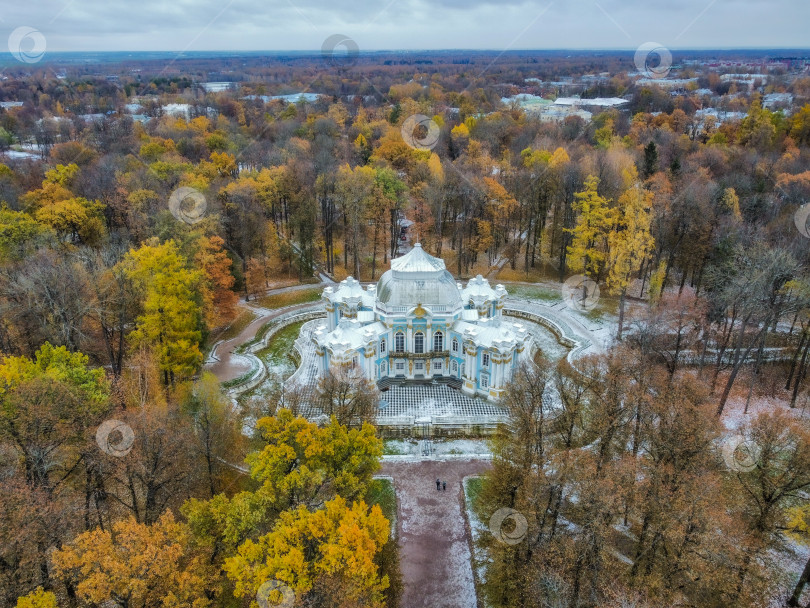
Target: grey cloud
<point>413,24</point>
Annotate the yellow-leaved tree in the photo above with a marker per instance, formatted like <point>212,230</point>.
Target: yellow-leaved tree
<point>171,317</point>
<point>37,599</point>
<point>137,565</point>
<point>296,525</point>
<point>587,252</point>
<point>327,553</point>
<point>630,243</point>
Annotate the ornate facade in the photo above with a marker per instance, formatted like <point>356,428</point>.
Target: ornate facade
<point>417,323</point>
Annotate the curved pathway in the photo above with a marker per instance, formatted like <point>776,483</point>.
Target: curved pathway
<point>433,534</point>
<point>227,365</point>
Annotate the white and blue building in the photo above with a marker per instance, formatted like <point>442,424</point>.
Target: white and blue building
<point>418,324</point>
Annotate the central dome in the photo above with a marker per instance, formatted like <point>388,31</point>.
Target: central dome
<point>418,278</point>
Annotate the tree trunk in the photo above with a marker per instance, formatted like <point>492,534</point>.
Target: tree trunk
<point>800,377</point>
<point>795,360</point>
<point>803,580</point>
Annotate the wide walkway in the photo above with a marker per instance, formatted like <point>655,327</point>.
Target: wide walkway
<point>433,536</point>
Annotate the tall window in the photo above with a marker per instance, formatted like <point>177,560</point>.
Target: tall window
<point>438,341</point>
<point>455,345</point>
<point>382,346</point>
<point>419,343</point>
<point>383,368</point>
<point>399,342</point>
<point>485,360</point>
<point>455,367</point>
<point>484,381</point>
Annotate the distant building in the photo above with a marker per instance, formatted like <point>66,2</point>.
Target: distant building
<point>417,324</point>
<point>218,87</point>
<point>596,102</point>
<point>777,100</point>
<point>666,83</point>
<point>558,113</point>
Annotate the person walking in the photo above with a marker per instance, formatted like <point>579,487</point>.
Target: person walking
<point>444,486</point>
<point>438,485</point>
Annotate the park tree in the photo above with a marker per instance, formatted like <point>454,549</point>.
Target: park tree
<point>750,292</point>
<point>299,464</point>
<point>38,598</point>
<point>630,242</point>
<point>135,565</point>
<point>219,301</point>
<point>587,253</point>
<point>217,437</point>
<point>169,321</point>
<point>328,557</point>
<point>779,449</point>
<point>350,397</point>
<point>798,528</point>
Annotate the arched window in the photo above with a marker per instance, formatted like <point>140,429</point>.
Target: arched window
<point>455,345</point>
<point>455,367</point>
<point>419,343</point>
<point>382,346</point>
<point>399,342</point>
<point>384,368</point>
<point>484,380</point>
<point>438,341</point>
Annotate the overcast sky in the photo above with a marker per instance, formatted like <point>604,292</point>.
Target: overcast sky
<point>199,25</point>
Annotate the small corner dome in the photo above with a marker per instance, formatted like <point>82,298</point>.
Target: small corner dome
<point>418,278</point>
<point>479,290</point>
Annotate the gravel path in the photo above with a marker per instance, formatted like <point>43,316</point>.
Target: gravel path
<point>433,536</point>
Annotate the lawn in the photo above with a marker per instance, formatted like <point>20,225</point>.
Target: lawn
<point>381,492</point>
<point>276,355</point>
<point>242,320</point>
<point>289,298</point>
<point>534,292</point>
<point>472,490</point>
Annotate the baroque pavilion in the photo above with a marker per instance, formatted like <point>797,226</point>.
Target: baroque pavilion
<point>417,324</point>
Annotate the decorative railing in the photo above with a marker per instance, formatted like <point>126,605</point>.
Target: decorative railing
<point>428,355</point>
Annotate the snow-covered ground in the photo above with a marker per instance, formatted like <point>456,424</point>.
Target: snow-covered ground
<point>435,557</point>
<point>439,448</point>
